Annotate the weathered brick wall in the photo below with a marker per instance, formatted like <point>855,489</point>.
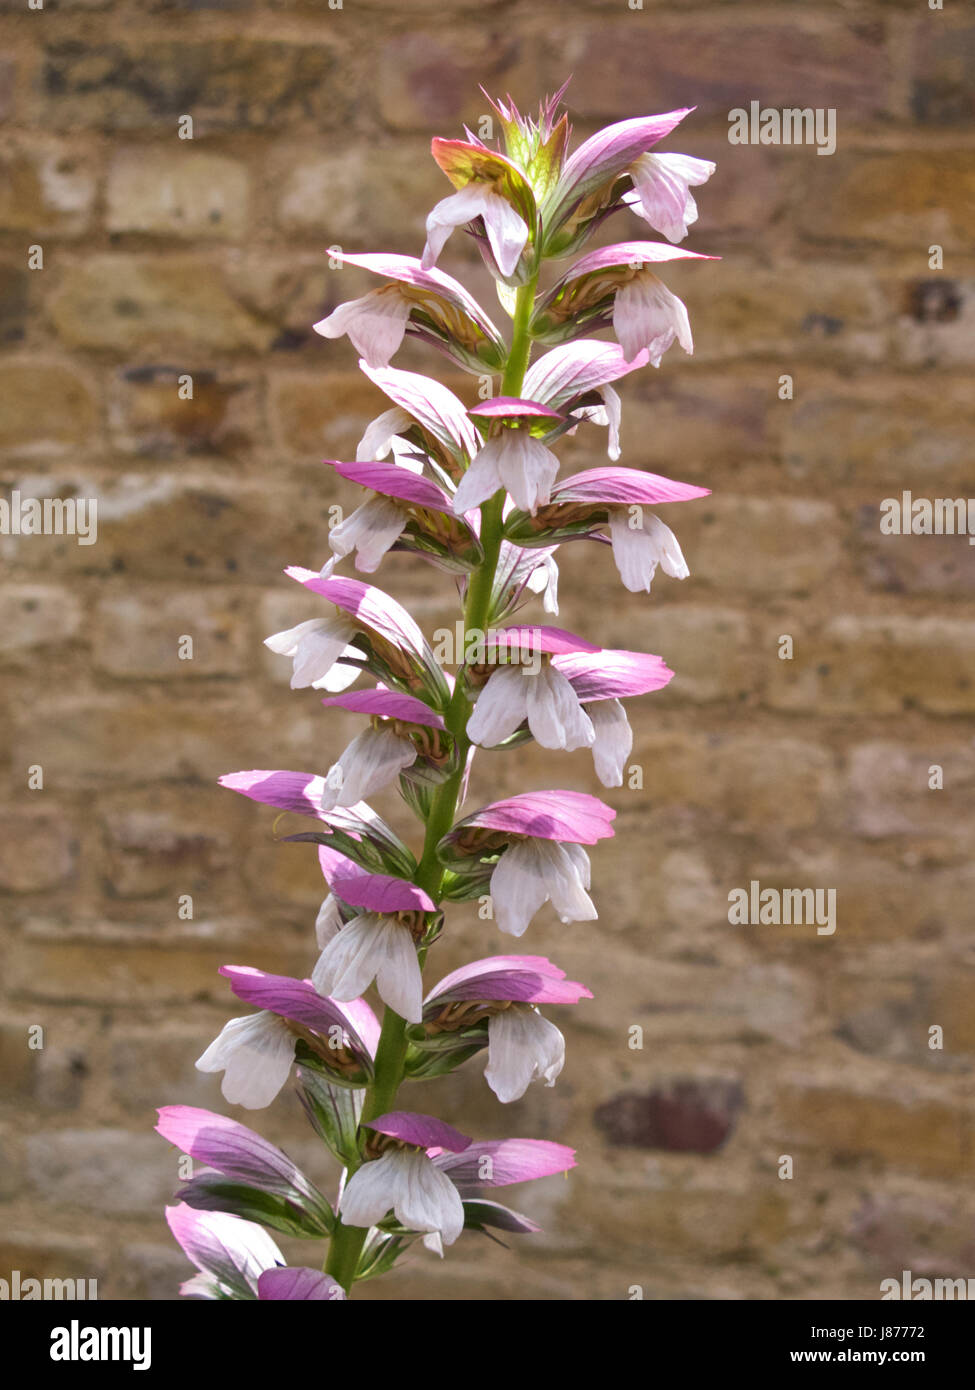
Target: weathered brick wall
<point>164,257</point>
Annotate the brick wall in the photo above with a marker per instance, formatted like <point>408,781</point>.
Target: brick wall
<point>164,257</point>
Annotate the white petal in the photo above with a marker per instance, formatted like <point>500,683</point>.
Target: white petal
<point>544,580</point>
<point>380,433</point>
<point>614,740</point>
<point>661,192</point>
<point>526,468</point>
<point>567,877</point>
<point>522,1045</point>
<point>647,315</point>
<point>614,413</point>
<point>555,716</point>
<point>372,947</point>
<point>376,324</point>
<point>481,481</point>
<point>372,760</point>
<point>328,921</point>
<point>636,548</point>
<point>406,1181</point>
<point>370,531</point>
<point>315,647</point>
<point>399,979</point>
<point>255,1054</point>
<point>671,556</point>
<point>506,230</point>
<point>501,707</point>
<point>518,886</point>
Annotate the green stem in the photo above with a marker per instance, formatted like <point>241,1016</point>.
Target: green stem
<point>346,1243</point>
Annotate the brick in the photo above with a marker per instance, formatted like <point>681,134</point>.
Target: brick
<point>151,415</point>
<point>423,81</point>
<point>878,665</point>
<point>77,741</point>
<point>223,83</point>
<point>124,304</point>
<point>38,851</point>
<point>830,312</point>
<point>150,1068</point>
<point>18,1062</point>
<point>714,1221</point>
<point>942,71</point>
<point>357,195</point>
<point>187,526</point>
<point>935,325</point>
<point>843,1125</point>
<point>685,1115</point>
<point>888,791</point>
<point>179,192</point>
<point>709,649</point>
<point>48,410</point>
<point>50,1255</point>
<point>892,200</point>
<point>186,841</point>
<point>322,415</point>
<point>104,972</point>
<point>144,637</point>
<point>36,616</point>
<point>46,190</point>
<point>14,302</point>
<point>111,1171</point>
<point>719,65</point>
<point>748,542</point>
<point>914,564</point>
<point>893,1231</point>
<point>891,432</point>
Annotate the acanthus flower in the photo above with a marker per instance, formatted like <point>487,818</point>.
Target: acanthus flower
<point>475,491</point>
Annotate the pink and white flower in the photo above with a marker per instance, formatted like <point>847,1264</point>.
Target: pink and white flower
<point>506,230</point>
<point>379,944</point>
<point>377,756</point>
<point>256,1052</point>
<point>522,1044</point>
<point>544,860</point>
<point>661,191</point>
<point>421,300</point>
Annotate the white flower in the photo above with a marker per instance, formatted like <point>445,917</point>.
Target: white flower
<point>406,1182</point>
<point>513,460</point>
<point>316,647</point>
<point>661,193</point>
<point>647,315</point>
<point>614,740</point>
<point>328,921</point>
<point>638,550</point>
<point>505,227</point>
<point>372,947</point>
<point>522,1045</point>
<point>372,760</point>
<point>376,323</point>
<point>533,872</point>
<point>544,580</point>
<point>610,414</point>
<point>370,531</point>
<point>546,699</point>
<point>383,435</point>
<point>255,1055</point>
